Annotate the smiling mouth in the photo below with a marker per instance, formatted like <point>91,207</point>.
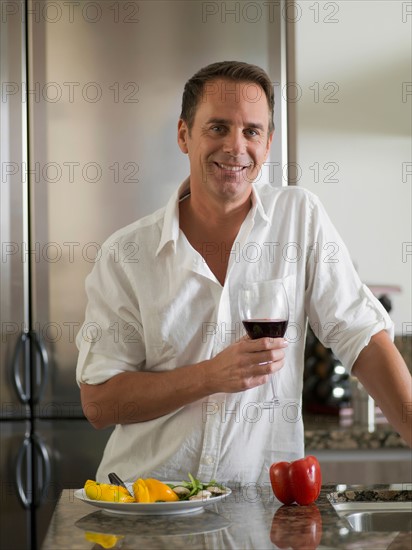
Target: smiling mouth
<point>230,167</point>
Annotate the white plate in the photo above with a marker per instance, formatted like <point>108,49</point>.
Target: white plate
<point>151,508</point>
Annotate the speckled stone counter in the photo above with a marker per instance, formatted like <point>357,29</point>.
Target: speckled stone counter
<point>325,432</point>
<point>250,518</point>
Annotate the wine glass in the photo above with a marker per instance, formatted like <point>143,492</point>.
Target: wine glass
<point>264,311</point>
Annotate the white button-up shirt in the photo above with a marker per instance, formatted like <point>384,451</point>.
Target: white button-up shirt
<point>154,305</point>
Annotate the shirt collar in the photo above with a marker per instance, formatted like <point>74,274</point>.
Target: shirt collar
<point>257,205</point>
<point>170,231</point>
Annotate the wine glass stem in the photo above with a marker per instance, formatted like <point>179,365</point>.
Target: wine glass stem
<point>273,381</point>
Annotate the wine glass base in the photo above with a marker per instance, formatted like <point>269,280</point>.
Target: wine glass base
<point>270,404</point>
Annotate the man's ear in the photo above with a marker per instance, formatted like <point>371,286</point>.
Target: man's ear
<point>182,135</point>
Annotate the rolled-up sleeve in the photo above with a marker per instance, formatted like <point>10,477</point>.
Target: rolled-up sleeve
<point>111,339</point>
<point>342,311</point>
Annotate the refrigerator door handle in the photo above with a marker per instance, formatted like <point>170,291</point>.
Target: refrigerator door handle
<point>41,366</point>
<point>43,475</point>
<point>24,450</point>
<point>22,387</point>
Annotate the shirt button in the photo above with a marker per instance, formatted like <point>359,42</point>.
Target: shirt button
<point>209,459</point>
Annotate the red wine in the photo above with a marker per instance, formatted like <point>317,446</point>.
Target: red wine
<point>260,328</point>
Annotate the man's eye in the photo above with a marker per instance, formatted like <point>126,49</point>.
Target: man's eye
<point>217,128</point>
<point>252,132</point>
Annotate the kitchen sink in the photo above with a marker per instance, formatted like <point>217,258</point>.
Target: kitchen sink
<point>378,508</point>
<point>376,516</point>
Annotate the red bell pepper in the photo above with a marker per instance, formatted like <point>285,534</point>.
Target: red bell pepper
<point>299,481</point>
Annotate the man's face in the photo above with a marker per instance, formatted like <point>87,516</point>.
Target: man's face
<point>229,139</point>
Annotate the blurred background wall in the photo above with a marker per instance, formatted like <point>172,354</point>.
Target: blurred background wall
<point>350,126</point>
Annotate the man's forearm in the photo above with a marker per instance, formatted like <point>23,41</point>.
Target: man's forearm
<point>139,396</point>
<point>383,373</point>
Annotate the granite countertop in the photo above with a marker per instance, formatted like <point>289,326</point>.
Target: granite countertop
<point>250,518</point>
<point>329,433</point>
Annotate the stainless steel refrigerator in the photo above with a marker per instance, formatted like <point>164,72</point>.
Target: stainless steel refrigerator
<point>91,95</point>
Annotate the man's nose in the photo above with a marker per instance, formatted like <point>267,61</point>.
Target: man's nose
<point>234,143</point>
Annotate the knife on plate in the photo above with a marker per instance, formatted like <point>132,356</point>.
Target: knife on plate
<point>115,480</point>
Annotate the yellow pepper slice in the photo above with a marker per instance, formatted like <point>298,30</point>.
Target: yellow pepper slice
<point>153,490</point>
<point>103,491</point>
<point>140,491</point>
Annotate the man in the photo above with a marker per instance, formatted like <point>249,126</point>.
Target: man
<point>168,364</point>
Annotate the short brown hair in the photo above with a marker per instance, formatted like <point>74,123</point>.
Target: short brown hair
<point>237,71</point>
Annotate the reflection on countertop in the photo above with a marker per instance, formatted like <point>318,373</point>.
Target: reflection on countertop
<point>250,517</point>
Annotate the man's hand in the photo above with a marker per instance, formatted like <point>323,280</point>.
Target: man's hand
<point>245,364</point>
